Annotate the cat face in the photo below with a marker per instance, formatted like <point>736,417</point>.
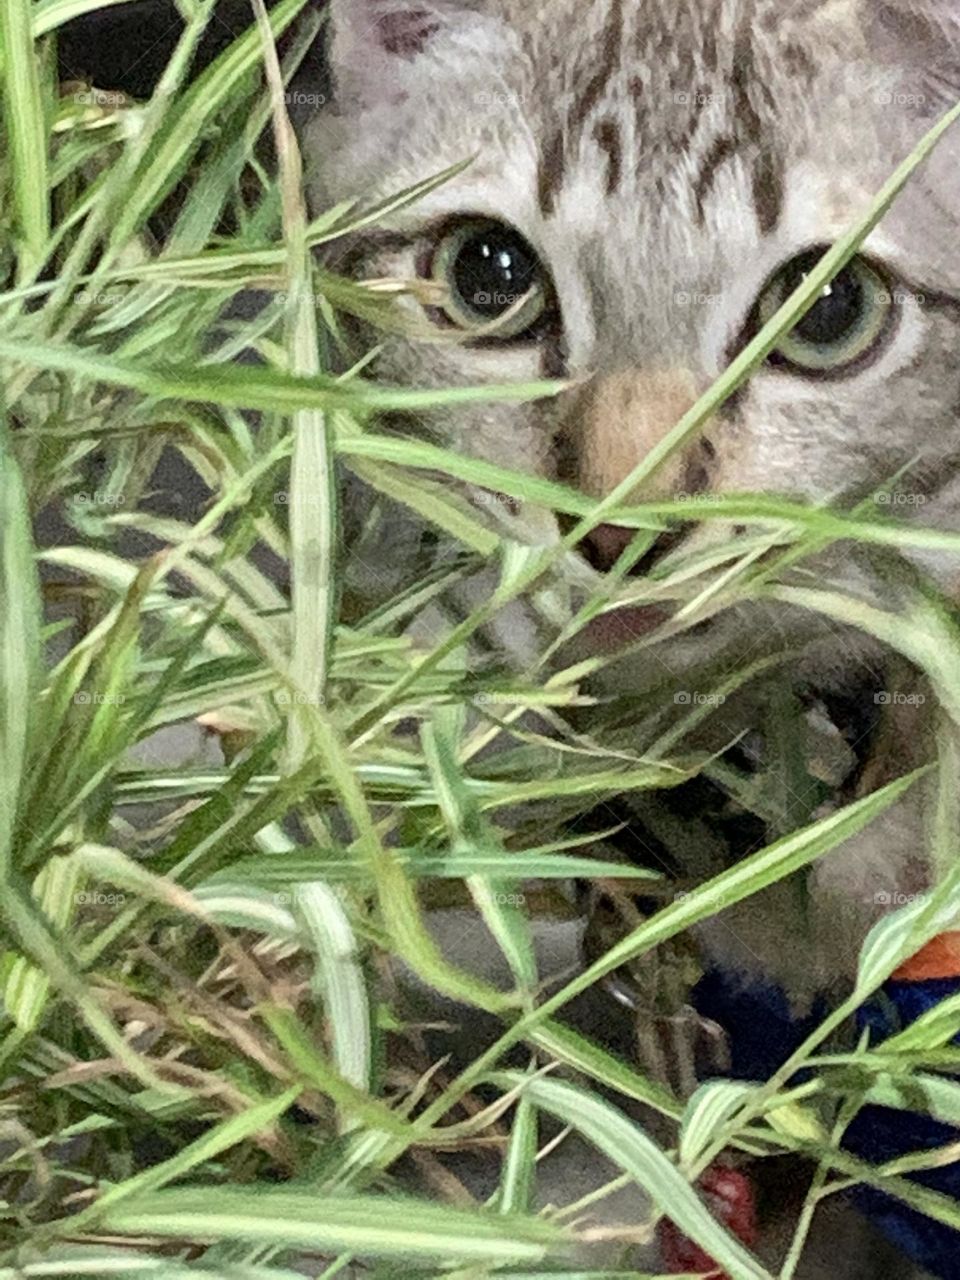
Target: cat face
<point>662,173</point>
<point>648,182</point>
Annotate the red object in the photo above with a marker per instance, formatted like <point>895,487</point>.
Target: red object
<point>940,958</point>
<point>729,1194</point>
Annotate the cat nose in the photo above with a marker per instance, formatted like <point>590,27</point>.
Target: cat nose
<point>617,419</point>
<point>605,544</point>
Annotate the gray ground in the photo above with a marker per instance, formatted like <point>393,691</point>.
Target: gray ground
<point>842,1244</point>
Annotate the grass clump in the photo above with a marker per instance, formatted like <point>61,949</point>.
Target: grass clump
<point>208,1067</point>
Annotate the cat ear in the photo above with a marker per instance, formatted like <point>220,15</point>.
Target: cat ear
<point>381,29</point>
<point>930,18</point>
<point>918,34</point>
<point>375,44</point>
<point>917,48</point>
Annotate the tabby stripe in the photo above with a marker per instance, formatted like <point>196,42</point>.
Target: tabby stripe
<point>606,134</point>
<point>611,42</point>
<point>552,168</point>
<point>406,35</point>
<point>767,177</point>
<point>767,189</point>
<point>744,70</point>
<point>723,149</point>
<point>551,171</point>
<point>798,62</point>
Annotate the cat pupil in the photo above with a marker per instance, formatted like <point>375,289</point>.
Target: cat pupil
<point>836,313</point>
<point>493,270</point>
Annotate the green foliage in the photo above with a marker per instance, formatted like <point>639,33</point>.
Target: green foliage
<point>181,992</point>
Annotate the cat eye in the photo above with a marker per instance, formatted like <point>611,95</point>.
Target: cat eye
<point>492,279</point>
<point>842,327</point>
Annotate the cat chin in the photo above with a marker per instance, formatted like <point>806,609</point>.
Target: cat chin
<point>831,910</point>
<point>646,648</point>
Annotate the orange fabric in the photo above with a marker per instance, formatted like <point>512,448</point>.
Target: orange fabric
<point>940,958</point>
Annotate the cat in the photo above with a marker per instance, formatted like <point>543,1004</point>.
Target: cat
<point>648,179</point>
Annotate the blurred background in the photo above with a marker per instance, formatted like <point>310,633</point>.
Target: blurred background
<point>127,46</point>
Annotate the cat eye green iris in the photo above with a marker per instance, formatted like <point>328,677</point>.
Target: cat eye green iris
<point>842,326</point>
<point>493,280</point>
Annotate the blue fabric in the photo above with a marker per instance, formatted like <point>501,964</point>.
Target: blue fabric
<point>763,1032</point>
<point>763,1035</point>
<point>880,1133</point>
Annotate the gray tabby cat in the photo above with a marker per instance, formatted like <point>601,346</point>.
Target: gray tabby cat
<point>651,178</point>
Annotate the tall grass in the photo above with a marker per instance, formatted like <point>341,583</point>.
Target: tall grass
<point>201,1054</point>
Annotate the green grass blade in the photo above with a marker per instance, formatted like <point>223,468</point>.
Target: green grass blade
<point>19,644</point>
<point>339,980</point>
<point>519,1173</point>
<point>26,987</point>
<point>177,141</point>
<point>268,390</point>
<point>626,1144</point>
<point>25,119</point>
<point>313,492</point>
<point>275,871</point>
<point>581,1054</point>
<point>50,14</point>
<point>494,899</point>
<point>375,1227</point>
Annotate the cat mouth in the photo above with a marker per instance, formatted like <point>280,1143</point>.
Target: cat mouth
<point>604,545</point>
<point>622,626</point>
